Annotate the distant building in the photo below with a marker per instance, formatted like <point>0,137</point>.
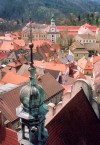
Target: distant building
<point>38,32</point>
<point>85,38</point>
<point>85,66</point>
<point>77,50</point>
<point>87,29</point>
<point>53,33</point>
<point>41,32</point>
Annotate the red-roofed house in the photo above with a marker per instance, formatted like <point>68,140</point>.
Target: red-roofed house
<point>18,43</point>
<point>13,78</point>
<point>6,46</point>
<point>70,29</point>
<point>85,66</point>
<point>87,29</point>
<point>51,65</point>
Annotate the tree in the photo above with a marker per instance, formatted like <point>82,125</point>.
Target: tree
<point>65,39</point>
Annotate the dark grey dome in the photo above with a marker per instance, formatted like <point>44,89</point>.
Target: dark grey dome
<point>32,96</point>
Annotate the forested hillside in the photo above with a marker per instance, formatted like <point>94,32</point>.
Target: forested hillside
<point>40,10</point>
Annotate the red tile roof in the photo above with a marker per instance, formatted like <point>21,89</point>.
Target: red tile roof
<point>19,42</point>
<point>75,124</point>
<point>74,29</point>
<point>91,27</point>
<point>14,64</point>
<point>47,81</point>
<point>69,28</point>
<point>39,43</point>
<point>6,46</point>
<point>8,137</point>
<point>94,59</point>
<point>2,55</point>
<point>51,65</point>
<point>9,101</point>
<point>9,69</point>
<point>13,78</point>
<point>85,64</point>
<point>79,75</point>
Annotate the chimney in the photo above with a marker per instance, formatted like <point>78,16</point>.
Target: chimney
<point>41,68</point>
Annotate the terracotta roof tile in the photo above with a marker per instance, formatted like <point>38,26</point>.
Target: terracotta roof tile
<point>2,55</point>
<point>79,75</point>
<point>9,69</point>
<point>39,43</point>
<point>85,64</point>
<point>47,81</point>
<point>19,42</point>
<point>6,46</point>
<point>8,137</point>
<point>13,78</point>
<point>14,64</point>
<point>75,124</point>
<point>65,128</point>
<point>94,59</point>
<point>51,65</point>
<point>69,28</point>
<point>9,101</point>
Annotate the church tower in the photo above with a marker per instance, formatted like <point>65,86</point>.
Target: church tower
<point>53,34</point>
<point>53,21</point>
<point>32,110</point>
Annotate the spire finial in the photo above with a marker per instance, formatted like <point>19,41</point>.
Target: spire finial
<point>52,18</point>
<point>30,25</point>
<point>31,68</point>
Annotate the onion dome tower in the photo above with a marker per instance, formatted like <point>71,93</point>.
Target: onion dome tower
<point>32,110</point>
<point>52,20</point>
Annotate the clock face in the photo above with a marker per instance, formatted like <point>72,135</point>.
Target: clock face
<point>52,29</point>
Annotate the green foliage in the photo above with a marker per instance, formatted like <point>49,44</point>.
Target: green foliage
<point>41,10</point>
<point>73,12</point>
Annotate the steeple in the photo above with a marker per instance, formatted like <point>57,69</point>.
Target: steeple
<point>52,20</point>
<point>32,110</point>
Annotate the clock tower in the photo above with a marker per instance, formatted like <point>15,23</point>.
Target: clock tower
<point>53,34</point>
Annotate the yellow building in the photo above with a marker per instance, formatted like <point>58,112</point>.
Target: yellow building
<point>78,51</point>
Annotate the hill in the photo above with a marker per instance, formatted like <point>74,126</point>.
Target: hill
<point>41,11</point>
